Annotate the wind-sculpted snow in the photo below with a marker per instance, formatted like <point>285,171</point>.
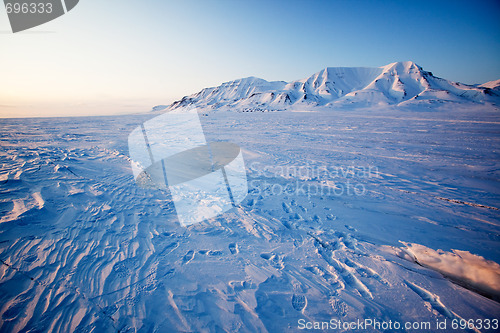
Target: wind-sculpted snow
<point>462,266</point>
<point>403,84</point>
<point>331,195</point>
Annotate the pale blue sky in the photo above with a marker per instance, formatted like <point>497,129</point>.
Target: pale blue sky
<point>122,56</point>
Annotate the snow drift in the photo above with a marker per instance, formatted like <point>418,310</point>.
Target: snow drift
<point>467,269</point>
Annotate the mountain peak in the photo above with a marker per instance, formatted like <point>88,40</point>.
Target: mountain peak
<point>398,83</point>
<point>404,64</point>
<point>249,79</point>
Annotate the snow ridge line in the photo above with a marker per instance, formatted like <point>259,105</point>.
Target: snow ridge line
<point>435,302</point>
<point>467,203</point>
<point>449,200</point>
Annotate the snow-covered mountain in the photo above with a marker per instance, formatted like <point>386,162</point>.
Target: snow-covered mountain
<point>399,83</point>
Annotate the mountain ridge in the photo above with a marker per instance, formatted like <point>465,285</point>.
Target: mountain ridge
<point>395,84</point>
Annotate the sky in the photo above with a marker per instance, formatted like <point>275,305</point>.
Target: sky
<point>125,56</point>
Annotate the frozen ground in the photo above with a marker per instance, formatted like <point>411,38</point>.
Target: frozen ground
<point>84,249</point>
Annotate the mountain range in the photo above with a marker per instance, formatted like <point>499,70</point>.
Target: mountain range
<point>396,84</point>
